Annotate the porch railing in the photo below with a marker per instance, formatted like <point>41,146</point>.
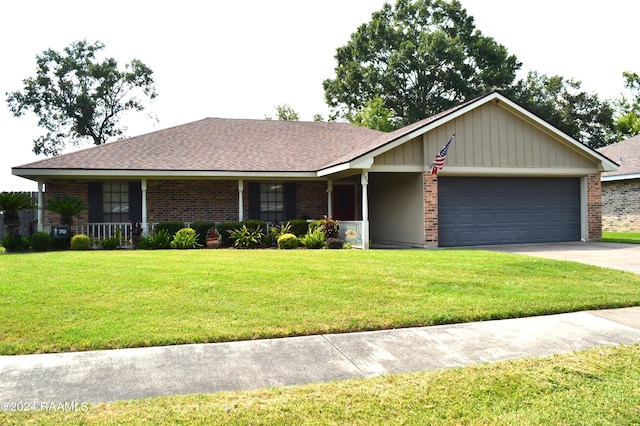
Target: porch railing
<point>102,231</point>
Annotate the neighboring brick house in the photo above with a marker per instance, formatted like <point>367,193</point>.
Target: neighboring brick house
<point>621,188</point>
<point>509,177</point>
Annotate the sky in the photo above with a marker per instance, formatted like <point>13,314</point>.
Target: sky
<point>233,59</point>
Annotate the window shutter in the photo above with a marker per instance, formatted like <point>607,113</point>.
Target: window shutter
<point>95,202</point>
<point>254,200</point>
<point>135,201</point>
<point>290,211</point>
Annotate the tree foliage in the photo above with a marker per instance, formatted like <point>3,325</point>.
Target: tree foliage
<point>376,116</point>
<point>286,113</point>
<point>77,96</point>
<point>563,104</point>
<point>10,204</point>
<point>627,122</point>
<point>420,57</point>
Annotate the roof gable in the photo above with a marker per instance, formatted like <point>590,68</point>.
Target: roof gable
<point>627,154</point>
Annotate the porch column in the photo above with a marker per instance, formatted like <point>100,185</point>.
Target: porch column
<point>40,207</point>
<point>145,224</point>
<point>330,197</point>
<point>240,203</point>
<point>364,180</point>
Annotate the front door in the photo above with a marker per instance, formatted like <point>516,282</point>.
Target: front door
<point>344,202</point>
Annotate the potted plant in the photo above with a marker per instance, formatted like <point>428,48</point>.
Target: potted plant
<point>213,238</point>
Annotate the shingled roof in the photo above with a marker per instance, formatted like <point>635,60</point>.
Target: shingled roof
<point>627,154</point>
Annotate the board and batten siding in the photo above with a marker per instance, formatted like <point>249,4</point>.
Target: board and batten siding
<point>409,153</point>
<point>491,136</point>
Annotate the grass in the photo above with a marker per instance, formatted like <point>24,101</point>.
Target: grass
<point>592,387</point>
<point>64,301</point>
<point>621,237</point>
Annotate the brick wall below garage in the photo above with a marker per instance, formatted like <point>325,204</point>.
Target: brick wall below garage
<point>430,189</point>
<point>594,207</point>
<point>621,206</point>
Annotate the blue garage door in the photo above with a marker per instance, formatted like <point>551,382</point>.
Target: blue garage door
<point>482,211</point>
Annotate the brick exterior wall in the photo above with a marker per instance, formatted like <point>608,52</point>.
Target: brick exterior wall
<point>193,200</point>
<point>61,188</point>
<point>430,189</point>
<point>594,207</point>
<point>621,206</point>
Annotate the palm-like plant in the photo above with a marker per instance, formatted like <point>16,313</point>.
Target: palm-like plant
<point>66,207</point>
<point>11,203</point>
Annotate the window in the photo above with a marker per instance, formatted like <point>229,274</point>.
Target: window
<point>272,202</point>
<point>115,202</point>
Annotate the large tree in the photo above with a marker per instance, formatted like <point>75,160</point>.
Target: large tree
<point>420,57</point>
<point>77,96</point>
<point>627,121</point>
<point>563,104</point>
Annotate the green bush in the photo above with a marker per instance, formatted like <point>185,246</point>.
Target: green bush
<point>13,243</point>
<point>299,227</point>
<point>41,241</point>
<point>185,238</point>
<point>156,241</point>
<point>287,241</point>
<point>224,229</point>
<point>2,250</point>
<point>80,242</point>
<point>202,228</point>
<point>335,243</point>
<point>170,226</point>
<point>315,239</point>
<point>111,243</point>
<point>245,237</point>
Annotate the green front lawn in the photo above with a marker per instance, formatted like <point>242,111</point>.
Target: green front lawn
<point>62,301</point>
<point>621,237</point>
<point>596,387</point>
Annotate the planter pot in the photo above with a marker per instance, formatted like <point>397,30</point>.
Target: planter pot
<point>213,243</point>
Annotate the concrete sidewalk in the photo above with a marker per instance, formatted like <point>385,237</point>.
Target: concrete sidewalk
<point>124,374</point>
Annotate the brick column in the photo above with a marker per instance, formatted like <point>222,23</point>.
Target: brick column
<point>430,194</point>
<point>594,207</point>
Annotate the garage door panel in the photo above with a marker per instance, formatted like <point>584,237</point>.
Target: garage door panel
<point>479,211</point>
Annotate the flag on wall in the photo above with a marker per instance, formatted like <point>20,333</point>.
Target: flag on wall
<point>438,163</point>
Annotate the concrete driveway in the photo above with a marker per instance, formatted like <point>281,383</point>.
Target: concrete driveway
<point>625,257</point>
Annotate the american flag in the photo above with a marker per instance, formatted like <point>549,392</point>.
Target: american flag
<point>438,163</point>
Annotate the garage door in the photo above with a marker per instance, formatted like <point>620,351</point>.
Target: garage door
<point>479,211</point>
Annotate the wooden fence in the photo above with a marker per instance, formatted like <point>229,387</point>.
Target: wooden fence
<point>28,220</point>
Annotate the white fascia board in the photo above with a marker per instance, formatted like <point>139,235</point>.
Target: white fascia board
<point>170,174</point>
<point>620,177</point>
<point>513,171</point>
<point>360,164</point>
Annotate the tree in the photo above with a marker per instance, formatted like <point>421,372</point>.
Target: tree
<point>627,121</point>
<point>10,204</point>
<point>563,104</point>
<point>286,113</point>
<point>76,96</point>
<point>66,207</point>
<point>420,57</point>
<point>376,116</point>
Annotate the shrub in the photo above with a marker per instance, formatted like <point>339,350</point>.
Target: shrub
<point>330,227</point>
<point>225,228</point>
<point>299,227</point>
<point>111,243</point>
<point>13,243</point>
<point>170,226</point>
<point>314,239</point>
<point>278,230</point>
<point>202,229</point>
<point>41,241</point>
<point>157,240</point>
<point>287,241</point>
<point>245,237</point>
<point>335,243</point>
<point>136,232</point>
<point>2,250</point>
<point>185,238</point>
<point>80,242</point>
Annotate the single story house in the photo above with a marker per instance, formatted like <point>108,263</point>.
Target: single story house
<point>509,177</point>
<point>621,188</point>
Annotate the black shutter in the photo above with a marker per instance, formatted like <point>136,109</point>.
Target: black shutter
<point>135,201</point>
<point>254,200</point>
<point>290,201</point>
<point>95,202</point>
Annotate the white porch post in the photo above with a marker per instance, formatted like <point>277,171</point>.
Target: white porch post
<point>364,180</point>
<point>145,224</point>
<point>240,203</point>
<point>40,207</point>
<point>330,197</point>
